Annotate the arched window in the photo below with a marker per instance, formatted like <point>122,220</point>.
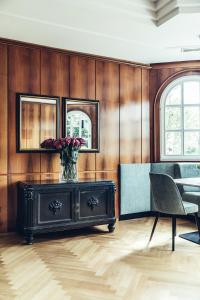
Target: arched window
<point>79,124</point>
<point>180,119</point>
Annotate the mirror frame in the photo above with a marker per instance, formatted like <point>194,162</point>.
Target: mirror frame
<point>18,117</point>
<point>89,101</point>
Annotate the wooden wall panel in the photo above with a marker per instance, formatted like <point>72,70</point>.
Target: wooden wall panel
<point>86,176</point>
<point>130,114</point>
<point>145,117</point>
<point>3,109</point>
<point>3,203</point>
<point>107,92</point>
<point>49,176</point>
<point>82,77</point>
<point>23,77</point>
<point>54,82</point>
<point>12,195</point>
<point>82,85</point>
<point>123,93</point>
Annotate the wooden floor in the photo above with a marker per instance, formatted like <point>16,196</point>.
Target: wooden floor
<point>96,265</point>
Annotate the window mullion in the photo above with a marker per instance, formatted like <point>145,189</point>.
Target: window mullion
<point>199,112</point>
<point>182,117</point>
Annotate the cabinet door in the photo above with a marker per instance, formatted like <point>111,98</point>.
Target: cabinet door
<point>54,206</point>
<point>95,203</point>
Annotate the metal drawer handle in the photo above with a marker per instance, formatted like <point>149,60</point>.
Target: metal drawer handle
<point>54,206</point>
<point>92,202</point>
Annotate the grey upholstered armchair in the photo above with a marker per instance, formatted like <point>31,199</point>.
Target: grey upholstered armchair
<point>167,200</point>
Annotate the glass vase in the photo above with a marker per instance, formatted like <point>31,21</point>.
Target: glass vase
<point>69,166</point>
<point>68,172</point>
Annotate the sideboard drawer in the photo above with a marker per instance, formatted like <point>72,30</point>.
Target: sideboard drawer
<point>93,203</point>
<point>54,206</point>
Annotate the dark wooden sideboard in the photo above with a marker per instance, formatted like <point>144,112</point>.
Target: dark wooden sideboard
<point>53,206</point>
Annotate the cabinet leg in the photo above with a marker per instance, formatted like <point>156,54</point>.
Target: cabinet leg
<point>29,238</point>
<point>111,227</point>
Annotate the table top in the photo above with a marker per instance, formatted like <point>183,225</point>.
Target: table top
<point>193,181</point>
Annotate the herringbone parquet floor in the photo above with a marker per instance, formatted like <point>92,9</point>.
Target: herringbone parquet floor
<point>96,265</point>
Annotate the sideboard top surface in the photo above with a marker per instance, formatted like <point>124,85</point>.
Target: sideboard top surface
<point>57,182</point>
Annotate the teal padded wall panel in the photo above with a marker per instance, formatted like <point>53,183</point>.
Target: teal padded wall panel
<point>134,188</point>
<point>165,168</point>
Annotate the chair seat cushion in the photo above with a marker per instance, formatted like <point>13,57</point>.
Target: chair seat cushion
<point>190,208</point>
<point>192,197</point>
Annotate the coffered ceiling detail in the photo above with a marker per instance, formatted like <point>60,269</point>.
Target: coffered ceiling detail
<point>167,9</point>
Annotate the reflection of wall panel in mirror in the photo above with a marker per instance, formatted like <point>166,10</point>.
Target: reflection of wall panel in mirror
<point>38,119</point>
<point>48,121</point>
<point>24,76</point>
<point>82,85</point>
<point>54,81</point>
<point>107,91</point>
<point>30,125</point>
<point>12,195</point>
<point>130,114</point>
<point>145,117</point>
<point>3,203</point>
<point>3,109</point>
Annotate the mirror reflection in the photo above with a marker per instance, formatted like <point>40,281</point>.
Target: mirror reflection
<point>38,120</point>
<point>81,120</point>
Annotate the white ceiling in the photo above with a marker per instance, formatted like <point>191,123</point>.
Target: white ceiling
<point>145,31</point>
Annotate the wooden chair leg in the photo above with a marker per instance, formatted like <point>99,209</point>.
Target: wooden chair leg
<point>197,222</point>
<point>154,227</point>
<point>173,232</point>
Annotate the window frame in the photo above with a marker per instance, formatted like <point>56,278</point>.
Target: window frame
<point>163,98</point>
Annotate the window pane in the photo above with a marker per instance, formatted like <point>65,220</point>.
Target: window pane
<point>174,96</point>
<point>191,92</point>
<point>192,143</point>
<point>172,118</point>
<point>173,143</point>
<point>191,117</point>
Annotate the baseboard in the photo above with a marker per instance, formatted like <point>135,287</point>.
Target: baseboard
<point>136,215</point>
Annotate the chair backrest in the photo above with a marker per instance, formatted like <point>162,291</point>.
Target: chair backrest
<point>166,196</point>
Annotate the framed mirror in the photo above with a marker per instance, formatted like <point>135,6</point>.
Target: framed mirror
<point>81,119</point>
<point>37,120</point>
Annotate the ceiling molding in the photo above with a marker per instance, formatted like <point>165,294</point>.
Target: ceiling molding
<point>167,9</point>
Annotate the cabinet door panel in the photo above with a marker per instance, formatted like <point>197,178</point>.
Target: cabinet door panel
<point>54,207</point>
<point>94,203</point>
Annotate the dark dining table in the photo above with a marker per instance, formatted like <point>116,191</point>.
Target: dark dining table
<point>194,182</point>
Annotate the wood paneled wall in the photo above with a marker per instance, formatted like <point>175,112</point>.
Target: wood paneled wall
<point>121,88</point>
<point>160,76</point>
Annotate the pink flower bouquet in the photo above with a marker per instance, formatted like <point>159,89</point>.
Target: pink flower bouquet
<point>62,143</point>
<point>68,148</point>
